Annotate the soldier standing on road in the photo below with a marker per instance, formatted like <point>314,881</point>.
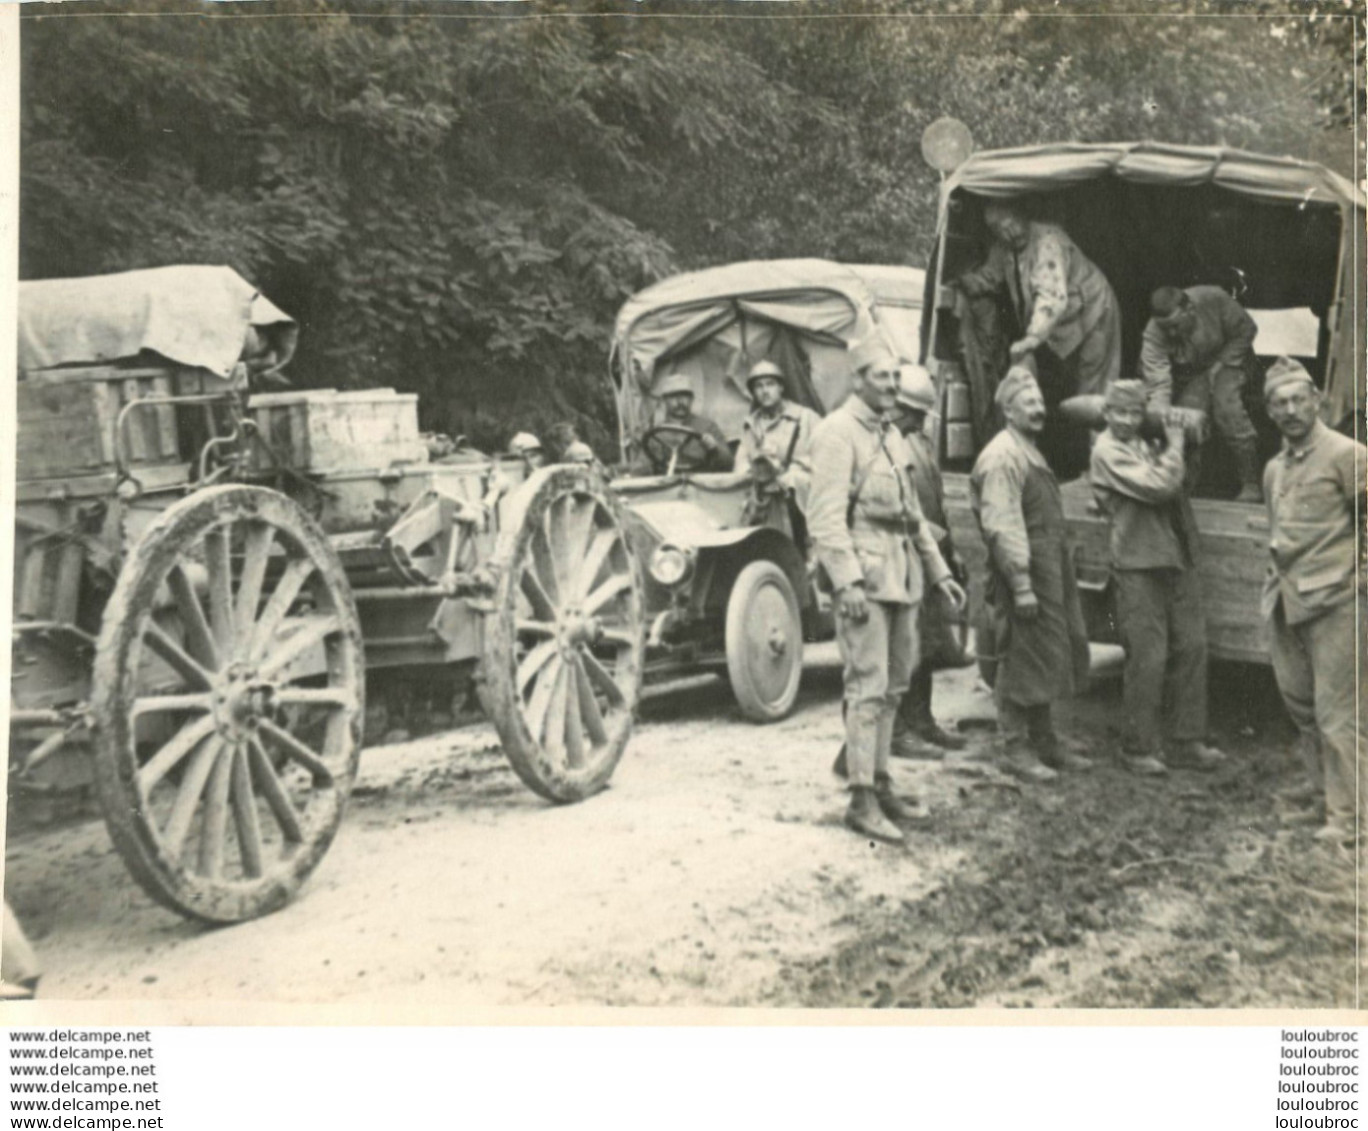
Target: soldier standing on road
<point>916,734</point>
<point>1198,352</point>
<point>1035,639</point>
<point>1139,487</point>
<point>865,520</point>
<point>1314,597</point>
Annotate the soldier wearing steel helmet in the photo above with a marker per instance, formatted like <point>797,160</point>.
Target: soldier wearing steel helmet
<point>776,438</point>
<point>676,392</point>
<point>916,734</point>
<point>527,448</point>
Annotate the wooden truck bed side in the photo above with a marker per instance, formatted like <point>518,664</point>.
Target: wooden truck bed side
<point>1232,561</point>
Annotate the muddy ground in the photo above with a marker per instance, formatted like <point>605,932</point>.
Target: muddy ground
<point>716,872</point>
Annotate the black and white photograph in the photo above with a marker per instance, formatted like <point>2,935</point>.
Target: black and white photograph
<point>692,505</point>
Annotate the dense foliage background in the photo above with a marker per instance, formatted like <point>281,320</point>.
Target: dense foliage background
<point>454,199</point>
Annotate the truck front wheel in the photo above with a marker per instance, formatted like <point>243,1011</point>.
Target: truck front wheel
<point>764,642</point>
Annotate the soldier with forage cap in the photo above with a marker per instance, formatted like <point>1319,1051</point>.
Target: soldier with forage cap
<point>1035,638</point>
<point>1314,597</point>
<point>916,734</point>
<point>1139,487</point>
<point>866,523</point>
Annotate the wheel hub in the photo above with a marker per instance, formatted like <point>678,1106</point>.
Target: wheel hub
<point>778,642</point>
<point>575,630</point>
<point>241,700</point>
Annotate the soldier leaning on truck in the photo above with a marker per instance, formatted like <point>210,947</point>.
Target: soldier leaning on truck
<point>1314,597</point>
<point>1139,487</point>
<point>878,554</point>
<point>1034,641</point>
<point>1198,352</point>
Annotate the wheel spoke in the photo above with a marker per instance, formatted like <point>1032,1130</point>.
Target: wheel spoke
<point>289,744</point>
<point>286,591</point>
<point>542,606</point>
<point>214,829</point>
<point>589,707</point>
<point>188,796</point>
<point>588,571</point>
<point>544,565</point>
<point>535,660</point>
<point>176,657</point>
<point>574,726</point>
<point>600,677</point>
<point>197,635</point>
<point>160,704</point>
<point>312,630</point>
<point>245,815</point>
<point>555,712</point>
<point>618,583</point>
<point>256,555</point>
<point>558,542</point>
<point>334,697</point>
<point>286,815</point>
<point>541,697</point>
<point>218,562</point>
<point>580,530</point>
<point>176,748</point>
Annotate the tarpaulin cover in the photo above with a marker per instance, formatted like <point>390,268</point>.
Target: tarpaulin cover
<point>1011,172</point>
<point>199,316</point>
<point>712,324</point>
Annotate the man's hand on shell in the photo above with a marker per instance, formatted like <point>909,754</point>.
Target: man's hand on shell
<point>953,592</point>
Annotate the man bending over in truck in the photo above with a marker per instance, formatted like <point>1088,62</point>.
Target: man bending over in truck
<point>1198,352</point>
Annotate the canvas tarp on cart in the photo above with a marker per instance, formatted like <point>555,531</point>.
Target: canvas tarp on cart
<point>202,316</point>
<point>1007,173</point>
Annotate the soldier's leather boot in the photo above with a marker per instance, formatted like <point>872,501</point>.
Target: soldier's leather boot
<point>1247,464</point>
<point>908,744</point>
<point>932,733</point>
<point>892,806</point>
<point>1019,760</point>
<point>866,818</point>
<point>1194,755</point>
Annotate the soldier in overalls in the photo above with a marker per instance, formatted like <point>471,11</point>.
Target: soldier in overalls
<point>1034,639</point>
<point>865,520</point>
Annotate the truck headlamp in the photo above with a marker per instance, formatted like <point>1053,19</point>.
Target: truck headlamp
<point>670,565</point>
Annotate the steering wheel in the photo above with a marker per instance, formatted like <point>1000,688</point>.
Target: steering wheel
<point>665,455</point>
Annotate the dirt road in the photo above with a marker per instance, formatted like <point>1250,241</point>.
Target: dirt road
<point>715,871</point>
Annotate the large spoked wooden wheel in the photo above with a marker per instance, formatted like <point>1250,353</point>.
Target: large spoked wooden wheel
<point>229,697</point>
<point>563,647</point>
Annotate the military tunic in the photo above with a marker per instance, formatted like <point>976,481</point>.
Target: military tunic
<point>785,439</point>
<point>1315,506</point>
<point>867,526</point>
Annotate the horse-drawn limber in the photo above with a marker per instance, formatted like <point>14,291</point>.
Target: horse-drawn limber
<point>204,574</point>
